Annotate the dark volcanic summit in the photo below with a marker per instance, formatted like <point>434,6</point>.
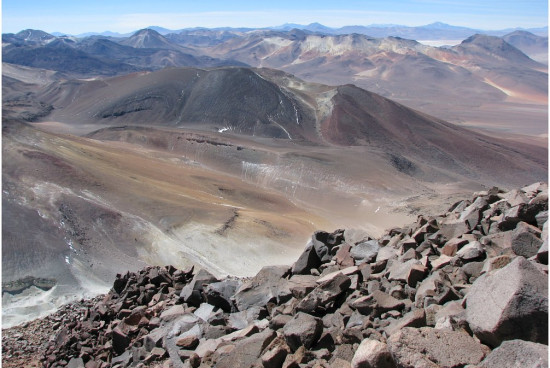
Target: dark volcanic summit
<point>237,99</point>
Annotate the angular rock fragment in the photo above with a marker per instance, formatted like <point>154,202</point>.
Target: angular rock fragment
<point>242,319</point>
<point>415,318</point>
<point>279,321</point>
<point>343,256</point>
<point>192,292</point>
<point>428,347</point>
<point>541,218</point>
<point>75,363</point>
<point>473,269</point>
<point>247,351</point>
<point>307,260</point>
<point>410,272</point>
<point>323,243</point>
<point>517,353</point>
<point>301,285</point>
<point>386,253</point>
<point>372,353</point>
<point>220,293</point>
<point>346,272</point>
<point>452,227</point>
<point>355,236</point>
<point>496,263</point>
<point>365,252</point>
<point>204,311</point>
<point>376,303</point>
<point>472,214</point>
<point>515,197</point>
<point>452,246</point>
<point>511,303</point>
<point>173,312</point>
<point>302,330</point>
<point>441,262</point>
<point>526,240</point>
<point>274,358</point>
<point>425,230</point>
<point>324,294</point>
<point>262,288</point>
<point>471,252</point>
<point>188,342</point>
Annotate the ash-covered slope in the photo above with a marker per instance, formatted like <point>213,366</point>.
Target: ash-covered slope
<point>271,104</point>
<point>236,99</point>
<point>467,287</point>
<point>414,139</point>
<point>76,210</point>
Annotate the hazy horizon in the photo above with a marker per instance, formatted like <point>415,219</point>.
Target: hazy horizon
<point>124,16</point>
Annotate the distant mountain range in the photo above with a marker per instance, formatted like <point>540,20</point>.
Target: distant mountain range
<point>483,69</point>
<point>433,31</point>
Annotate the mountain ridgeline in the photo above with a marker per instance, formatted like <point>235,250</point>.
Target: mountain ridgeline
<point>481,75</point>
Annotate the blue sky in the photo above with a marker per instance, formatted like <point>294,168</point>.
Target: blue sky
<point>75,17</point>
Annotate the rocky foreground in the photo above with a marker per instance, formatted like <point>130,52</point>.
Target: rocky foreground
<point>467,288</point>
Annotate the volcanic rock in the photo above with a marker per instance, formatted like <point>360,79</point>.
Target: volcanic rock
<point>526,240</point>
<point>376,303</point>
<point>415,318</point>
<point>365,252</point>
<point>410,272</point>
<point>516,295</point>
<point>262,288</point>
<point>372,353</point>
<point>192,292</point>
<point>219,293</point>
<point>428,347</point>
<point>307,260</point>
<point>247,351</point>
<point>302,330</point>
<point>517,353</point>
<point>325,294</point>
